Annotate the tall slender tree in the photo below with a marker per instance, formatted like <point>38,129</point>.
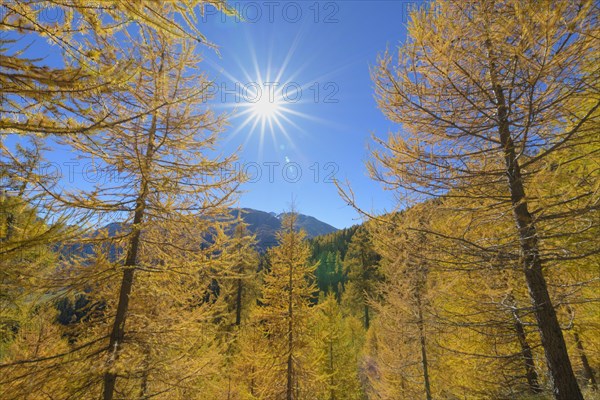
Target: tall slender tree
<point>404,306</point>
<point>167,182</point>
<point>287,371</point>
<point>338,338</point>
<point>28,237</point>
<point>242,272</point>
<point>360,264</point>
<point>484,92</point>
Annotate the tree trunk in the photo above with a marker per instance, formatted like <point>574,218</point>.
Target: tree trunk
<point>238,303</point>
<point>290,365</point>
<point>555,349</point>
<point>10,227</point>
<point>530,372</point>
<point>229,388</point>
<point>252,372</point>
<point>118,329</point>
<point>424,363</point>
<point>331,379</point>
<point>10,217</point>
<point>588,373</point>
<point>367,321</point>
<point>145,372</point>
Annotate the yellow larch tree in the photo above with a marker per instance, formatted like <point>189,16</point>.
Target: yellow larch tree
<point>338,340</point>
<point>403,362</point>
<point>148,282</point>
<point>485,92</point>
<point>43,97</point>
<point>284,368</point>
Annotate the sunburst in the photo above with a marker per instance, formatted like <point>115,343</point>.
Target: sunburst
<point>265,108</point>
<point>267,99</point>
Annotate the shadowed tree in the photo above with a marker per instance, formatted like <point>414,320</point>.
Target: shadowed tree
<point>360,264</point>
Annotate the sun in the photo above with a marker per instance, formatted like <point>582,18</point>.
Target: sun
<point>265,108</point>
<point>267,100</point>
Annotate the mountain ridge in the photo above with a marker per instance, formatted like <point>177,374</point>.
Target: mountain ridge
<point>263,224</point>
<point>266,224</point>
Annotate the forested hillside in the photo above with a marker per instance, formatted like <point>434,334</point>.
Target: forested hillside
<point>329,251</point>
<point>481,282</point>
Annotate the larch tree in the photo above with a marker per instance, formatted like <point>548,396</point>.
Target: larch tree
<point>168,317</point>
<point>29,255</point>
<point>238,281</point>
<point>485,92</point>
<point>485,307</point>
<point>242,272</point>
<point>26,259</point>
<point>489,334</point>
<point>338,339</point>
<point>572,245</point>
<point>252,358</point>
<point>169,192</point>
<point>360,265</point>
<point>449,323</point>
<point>28,237</point>
<point>405,317</point>
<point>285,369</point>
<point>51,98</point>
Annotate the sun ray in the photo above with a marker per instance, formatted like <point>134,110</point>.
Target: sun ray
<point>265,107</point>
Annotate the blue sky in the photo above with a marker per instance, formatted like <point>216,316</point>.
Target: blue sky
<point>319,53</point>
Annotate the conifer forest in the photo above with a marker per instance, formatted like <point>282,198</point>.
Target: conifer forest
<point>454,143</point>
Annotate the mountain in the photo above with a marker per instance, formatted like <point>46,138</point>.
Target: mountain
<point>313,226</point>
<point>263,224</point>
<point>266,224</point>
